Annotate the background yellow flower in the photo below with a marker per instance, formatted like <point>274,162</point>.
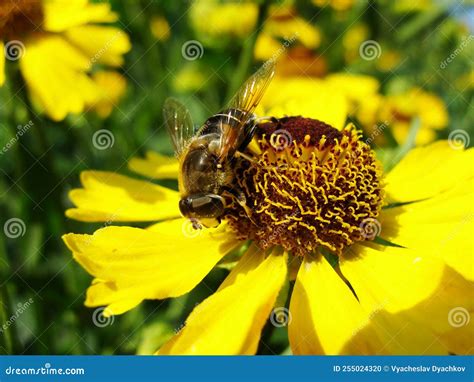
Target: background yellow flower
<point>58,49</point>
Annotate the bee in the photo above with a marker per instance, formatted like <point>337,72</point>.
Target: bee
<point>207,156</point>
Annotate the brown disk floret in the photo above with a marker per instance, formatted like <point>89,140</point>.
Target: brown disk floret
<point>19,17</point>
<point>312,186</point>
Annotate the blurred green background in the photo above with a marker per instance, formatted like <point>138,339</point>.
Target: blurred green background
<point>43,289</point>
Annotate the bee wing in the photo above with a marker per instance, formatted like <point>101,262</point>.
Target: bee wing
<point>241,109</point>
<point>178,123</point>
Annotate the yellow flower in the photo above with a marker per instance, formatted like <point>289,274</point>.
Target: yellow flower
<point>310,97</point>
<point>190,78</point>
<point>301,61</point>
<point>284,24</point>
<point>465,81</point>
<point>112,87</point>
<point>352,40</point>
<point>362,93</point>
<point>57,43</point>
<point>160,28</point>
<point>404,6</point>
<point>215,21</point>
<point>388,60</point>
<point>399,110</point>
<point>338,5</point>
<point>316,199</point>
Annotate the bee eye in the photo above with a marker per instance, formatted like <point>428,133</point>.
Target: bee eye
<point>202,206</point>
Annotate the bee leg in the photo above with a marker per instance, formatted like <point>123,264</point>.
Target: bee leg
<point>196,224</point>
<point>238,195</point>
<point>240,154</point>
<point>248,137</point>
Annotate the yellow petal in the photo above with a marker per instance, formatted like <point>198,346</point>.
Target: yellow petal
<point>410,286</point>
<point>55,73</point>
<point>293,28</point>
<point>110,197</point>
<point>265,46</point>
<point>397,277</point>
<point>249,262</point>
<point>132,264</point>
<point>427,171</point>
<point>308,97</point>
<point>112,86</point>
<point>459,338</point>
<point>2,64</point>
<point>230,321</point>
<point>443,224</point>
<point>101,44</point>
<point>102,293</point>
<point>155,166</point>
<point>60,15</point>
<point>325,315</point>
<point>356,87</point>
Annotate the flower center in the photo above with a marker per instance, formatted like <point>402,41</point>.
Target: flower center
<point>312,186</point>
<point>19,17</point>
